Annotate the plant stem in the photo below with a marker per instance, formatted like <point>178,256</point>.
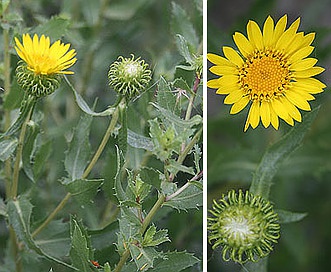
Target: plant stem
<point>144,226</point>
<point>87,171</point>
<point>52,215</point>
<point>16,171</point>
<point>103,143</point>
<point>122,261</point>
<point>192,97</point>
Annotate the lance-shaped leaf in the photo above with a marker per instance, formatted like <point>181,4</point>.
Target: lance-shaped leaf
<point>19,213</point>
<point>151,176</point>
<point>277,153</point>
<point>28,104</point>
<point>139,141</point>
<point>175,261</point>
<point>7,148</point>
<point>170,116</point>
<point>152,237</point>
<point>187,197</point>
<point>78,154</point>
<point>28,149</point>
<point>81,251</point>
<point>120,193</point>
<point>144,256</point>
<point>165,98</point>
<point>85,107</point>
<point>84,190</point>
<point>289,217</point>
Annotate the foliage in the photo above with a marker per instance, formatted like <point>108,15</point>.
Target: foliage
<point>92,180</point>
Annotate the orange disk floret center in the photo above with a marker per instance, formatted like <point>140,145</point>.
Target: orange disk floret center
<point>265,75</point>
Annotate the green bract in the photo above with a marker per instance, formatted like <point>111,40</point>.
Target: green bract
<point>37,85</point>
<point>244,225</point>
<point>129,76</point>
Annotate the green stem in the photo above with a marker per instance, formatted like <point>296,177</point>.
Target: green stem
<point>122,261</point>
<point>52,215</point>
<point>103,143</point>
<point>87,171</point>
<point>145,224</point>
<point>18,158</point>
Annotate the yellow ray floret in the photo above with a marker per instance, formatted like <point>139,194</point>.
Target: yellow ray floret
<point>271,73</point>
<point>43,58</point>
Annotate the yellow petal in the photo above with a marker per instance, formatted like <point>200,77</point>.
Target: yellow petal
<point>297,100</point>
<point>280,109</point>
<point>234,97</point>
<point>301,53</point>
<point>223,70</point>
<point>303,64</point>
<point>239,105</point>
<point>287,37</point>
<point>218,60</point>
<point>280,28</point>
<point>213,83</point>
<point>265,113</point>
<point>254,34</point>
<point>253,117</point>
<point>308,73</point>
<point>232,56</point>
<point>274,118</point>
<point>243,44</point>
<point>227,89</point>
<point>268,31</point>
<point>291,109</point>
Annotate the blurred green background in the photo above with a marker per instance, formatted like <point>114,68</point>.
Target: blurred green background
<point>303,184</point>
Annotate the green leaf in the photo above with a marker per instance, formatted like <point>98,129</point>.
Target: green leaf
<point>54,239</point>
<point>139,141</point>
<point>81,251</point>
<point>195,120</point>
<point>19,214</point>
<point>151,176</point>
<point>174,167</point>
<point>28,149</point>
<point>79,150</point>
<point>144,256</point>
<point>84,190</point>
<point>183,48</point>
<point>13,99</point>
<point>289,217</point>
<point>188,197</point>
<point>175,261</point>
<point>3,208</point>
<point>277,153</point>
<point>182,25</point>
<point>124,9</point>
<point>29,103</point>
<point>7,148</point>
<point>154,238</point>
<point>165,98</point>
<point>120,193</point>
<point>55,28</point>
<point>260,266</point>
<point>84,106</point>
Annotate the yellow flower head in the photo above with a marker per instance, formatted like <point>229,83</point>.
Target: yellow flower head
<point>43,58</point>
<point>271,72</point>
<point>40,71</point>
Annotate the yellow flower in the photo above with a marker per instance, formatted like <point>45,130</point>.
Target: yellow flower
<point>43,58</point>
<point>271,73</point>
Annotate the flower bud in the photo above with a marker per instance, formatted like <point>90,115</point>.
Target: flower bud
<point>129,76</point>
<point>244,225</point>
